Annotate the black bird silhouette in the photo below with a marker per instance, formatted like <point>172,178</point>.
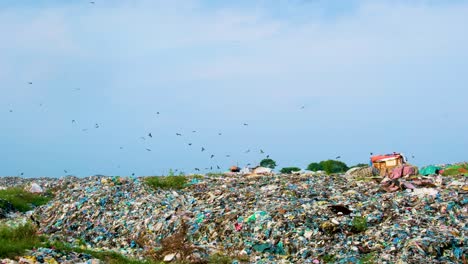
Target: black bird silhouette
<point>371,153</point>
<point>11,111</point>
<point>218,167</point>
<point>148,149</point>
<point>96,126</point>
<point>245,124</point>
<point>197,169</point>
<point>178,134</point>
<point>190,144</point>
<point>212,156</point>
<point>157,113</point>
<point>211,168</point>
<point>65,171</point>
<point>73,121</point>
<point>228,156</point>
<point>338,157</point>
<point>247,151</point>
<point>261,151</point>
<point>30,82</point>
<point>194,131</point>
<point>133,174</point>
<point>302,107</point>
<point>149,135</point>
<point>22,173</point>
<point>248,164</point>
<point>412,156</point>
<point>268,156</point>
<point>202,149</point>
<point>91,3</point>
<point>219,134</point>
<point>121,147</point>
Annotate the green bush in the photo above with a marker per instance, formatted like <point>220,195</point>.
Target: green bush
<point>22,200</point>
<point>15,241</point>
<point>314,166</point>
<point>333,166</point>
<point>359,224</point>
<point>167,182</point>
<point>288,170</point>
<point>268,163</point>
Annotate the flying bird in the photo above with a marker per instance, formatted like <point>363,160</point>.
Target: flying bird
<point>190,144</point>
<point>218,167</point>
<point>261,151</point>
<point>96,126</point>
<point>338,157</point>
<point>219,134</point>
<point>202,149</point>
<point>247,151</point>
<point>268,156</point>
<point>212,156</point>
<point>121,147</point>
<point>178,134</point>
<point>148,149</point>
<point>248,164</point>
<point>211,168</point>
<point>91,3</point>
<point>30,82</point>
<point>150,135</point>
<point>133,174</point>
<point>197,169</point>
<point>412,156</point>
<point>73,121</point>
<point>194,131</point>
<point>11,111</point>
<point>22,173</point>
<point>371,153</point>
<point>245,124</point>
<point>228,156</point>
<point>65,171</point>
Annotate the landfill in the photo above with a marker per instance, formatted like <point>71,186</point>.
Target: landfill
<point>274,218</point>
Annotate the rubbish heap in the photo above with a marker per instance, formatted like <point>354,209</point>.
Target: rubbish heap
<point>268,219</point>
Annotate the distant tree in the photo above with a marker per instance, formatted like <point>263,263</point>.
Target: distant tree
<point>314,166</point>
<point>333,166</point>
<point>268,163</point>
<point>289,170</point>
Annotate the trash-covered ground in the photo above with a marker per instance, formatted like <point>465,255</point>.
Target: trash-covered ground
<point>266,219</point>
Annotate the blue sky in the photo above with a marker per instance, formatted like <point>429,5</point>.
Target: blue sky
<point>373,76</point>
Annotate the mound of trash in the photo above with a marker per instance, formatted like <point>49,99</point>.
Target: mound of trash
<point>268,219</point>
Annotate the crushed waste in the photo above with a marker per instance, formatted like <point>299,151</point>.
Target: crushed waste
<point>301,218</point>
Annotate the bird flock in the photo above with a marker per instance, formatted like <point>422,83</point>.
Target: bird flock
<point>149,135</point>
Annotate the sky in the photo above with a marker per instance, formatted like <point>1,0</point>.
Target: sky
<point>312,79</point>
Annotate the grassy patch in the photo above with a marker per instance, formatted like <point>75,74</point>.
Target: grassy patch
<point>456,170</point>
<point>359,224</point>
<point>220,259</point>
<point>215,174</point>
<point>329,258</point>
<point>22,200</point>
<point>15,241</point>
<point>167,182</point>
<point>369,258</point>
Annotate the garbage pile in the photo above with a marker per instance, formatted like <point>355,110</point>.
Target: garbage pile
<point>50,256</point>
<point>269,219</point>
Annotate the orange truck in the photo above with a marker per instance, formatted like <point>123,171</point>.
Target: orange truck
<point>386,163</point>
